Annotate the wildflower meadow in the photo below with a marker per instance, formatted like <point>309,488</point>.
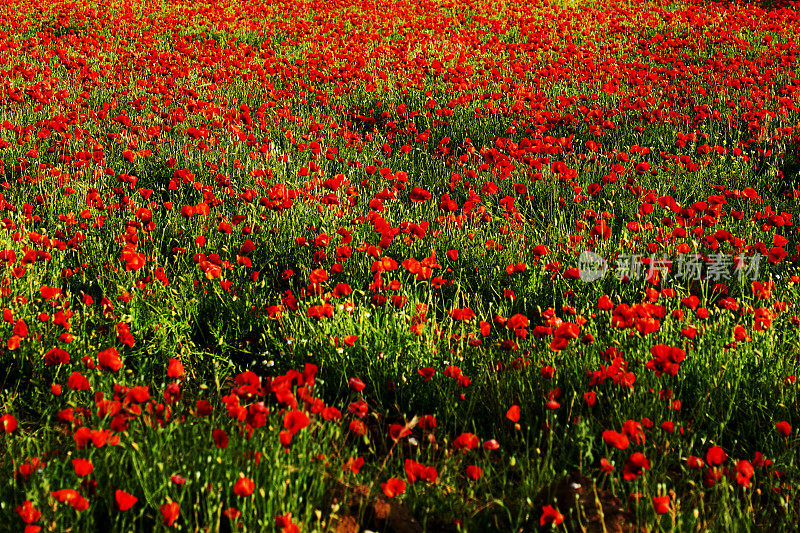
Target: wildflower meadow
<point>399,265</point>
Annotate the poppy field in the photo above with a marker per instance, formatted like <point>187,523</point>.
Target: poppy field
<point>413,265</point>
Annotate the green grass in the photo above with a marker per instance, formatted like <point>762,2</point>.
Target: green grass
<point>511,111</point>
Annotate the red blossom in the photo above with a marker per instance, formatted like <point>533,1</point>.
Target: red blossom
<point>71,498</point>
<point>8,423</point>
<point>356,384</point>
<point>244,486</point>
<point>634,466</point>
<point>175,368</point>
<point>550,515</point>
<point>715,456</point>
<point>473,472</point>
<point>426,372</point>
<point>615,439</point>
<point>82,467</point>
<point>393,487</point>
<point>109,359</point>
<point>784,428</point>
<point>124,500</point>
<point>169,513</point>
<point>27,512</point>
<point>294,421</point>
<point>661,504</point>
<point>220,438</point>
<point>513,413</point>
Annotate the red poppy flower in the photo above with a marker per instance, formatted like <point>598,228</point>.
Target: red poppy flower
<point>285,524</point>
<point>590,398</point>
<point>353,464</point>
<point>356,384</point>
<point>220,438</point>
<point>776,255</point>
<point>716,456</point>
<point>604,303</point>
<point>513,413</point>
<point>615,439</point>
<point>82,467</point>
<point>231,513</point>
<point>398,431</point>
<point>567,331</point>
<point>784,428</point>
<point>350,340</point>
<point>473,472</point>
<point>169,513</point>
<point>331,413</point>
<point>540,250</point>
<point>21,329</point>
<point>109,359</point>
<point>550,515</point>
<point>634,466</point>
<point>8,423</point>
<point>317,276</point>
<point>758,460</point>
<point>393,487</point>
<point>419,195</point>
<point>124,500</point>
<point>466,441</point>
<point>56,356</point>
<point>415,470</point>
<point>204,408</point>
<point>491,444</point>
<point>294,421</point>
<point>358,427</point>
<point>27,512</point>
<point>138,394</point>
<point>744,471</point>
<point>634,429</point>
<point>427,422</point>
<point>244,486</point>
<point>78,381</point>
<point>72,498</point>
<point>661,504</point>
<point>462,314</point>
<point>452,372</point>
<point>691,302</point>
<point>175,368</point>
<point>426,372</point>
<point>695,463</point>
<point>601,229</point>
<point>517,321</point>
<point>666,359</point>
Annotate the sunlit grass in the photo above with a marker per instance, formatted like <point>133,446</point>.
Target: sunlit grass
<point>354,230</point>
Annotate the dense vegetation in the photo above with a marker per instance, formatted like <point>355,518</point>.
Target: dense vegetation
<point>325,265</point>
